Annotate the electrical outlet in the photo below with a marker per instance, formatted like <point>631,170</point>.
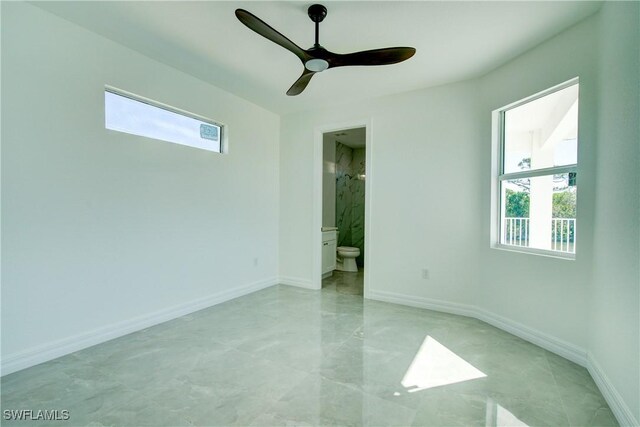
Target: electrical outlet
<point>425,273</point>
<point>255,262</point>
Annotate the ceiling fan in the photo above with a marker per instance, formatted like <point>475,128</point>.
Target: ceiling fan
<point>317,59</point>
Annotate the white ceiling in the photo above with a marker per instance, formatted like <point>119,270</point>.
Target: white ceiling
<point>454,41</point>
<point>354,138</point>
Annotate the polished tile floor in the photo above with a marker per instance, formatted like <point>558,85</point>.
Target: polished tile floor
<point>289,356</point>
<point>344,282</point>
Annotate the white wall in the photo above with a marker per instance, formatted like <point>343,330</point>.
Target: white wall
<point>101,229</point>
<point>413,193</point>
<point>550,295</point>
<point>614,326</point>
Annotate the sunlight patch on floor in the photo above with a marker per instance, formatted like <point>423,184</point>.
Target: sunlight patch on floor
<point>498,416</point>
<point>435,365</point>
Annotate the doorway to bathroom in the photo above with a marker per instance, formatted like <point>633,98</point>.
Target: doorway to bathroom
<point>344,187</point>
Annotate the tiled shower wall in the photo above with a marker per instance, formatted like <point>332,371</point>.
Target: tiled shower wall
<point>350,170</point>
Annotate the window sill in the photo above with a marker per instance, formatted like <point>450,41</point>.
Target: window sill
<point>532,251</point>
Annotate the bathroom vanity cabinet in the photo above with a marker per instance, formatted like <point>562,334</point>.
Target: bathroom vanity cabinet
<point>329,246</point>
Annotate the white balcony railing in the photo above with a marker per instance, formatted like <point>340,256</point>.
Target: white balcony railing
<point>516,231</point>
<point>563,232</point>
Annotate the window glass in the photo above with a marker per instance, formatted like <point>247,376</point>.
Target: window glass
<point>540,212</point>
<point>125,114</point>
<point>537,180</point>
<point>542,133</point>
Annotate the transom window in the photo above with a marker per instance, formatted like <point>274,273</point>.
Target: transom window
<point>128,113</point>
<point>538,159</point>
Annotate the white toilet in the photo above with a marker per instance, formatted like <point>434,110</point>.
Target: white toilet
<point>347,258</point>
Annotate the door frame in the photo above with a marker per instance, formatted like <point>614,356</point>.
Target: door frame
<point>319,131</point>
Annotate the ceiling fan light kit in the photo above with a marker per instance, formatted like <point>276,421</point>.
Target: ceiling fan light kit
<point>317,59</point>
<point>316,64</point>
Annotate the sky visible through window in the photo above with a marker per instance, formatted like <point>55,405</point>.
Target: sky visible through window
<point>138,118</point>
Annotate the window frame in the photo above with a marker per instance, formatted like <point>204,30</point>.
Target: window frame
<point>156,104</point>
<point>498,175</point>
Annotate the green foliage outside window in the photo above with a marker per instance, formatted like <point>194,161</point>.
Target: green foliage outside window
<point>564,206</point>
<point>517,204</point>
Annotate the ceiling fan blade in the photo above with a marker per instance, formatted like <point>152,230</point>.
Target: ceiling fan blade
<point>301,83</point>
<point>265,30</point>
<point>389,55</point>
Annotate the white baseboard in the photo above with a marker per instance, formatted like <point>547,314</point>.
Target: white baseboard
<point>429,304</point>
<point>296,281</point>
<point>555,345</point>
<point>619,408</point>
<point>52,350</point>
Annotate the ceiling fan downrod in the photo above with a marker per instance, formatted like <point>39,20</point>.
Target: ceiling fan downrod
<point>317,13</point>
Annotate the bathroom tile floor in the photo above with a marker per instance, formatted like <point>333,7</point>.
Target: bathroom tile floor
<point>345,282</point>
<point>289,356</point>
